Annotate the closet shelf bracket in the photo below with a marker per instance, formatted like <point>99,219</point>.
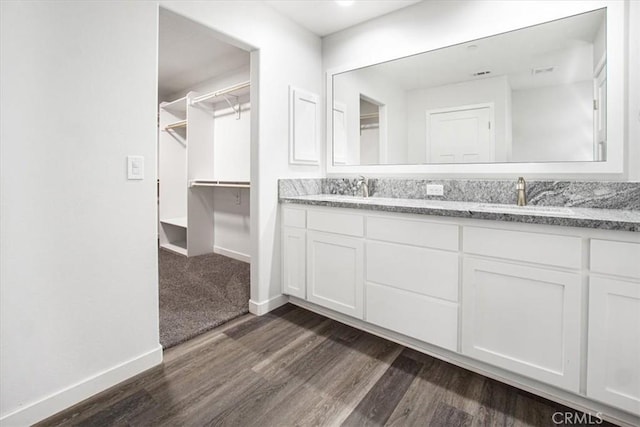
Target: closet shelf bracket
<point>236,109</point>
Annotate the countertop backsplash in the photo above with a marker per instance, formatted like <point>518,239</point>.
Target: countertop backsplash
<point>594,194</point>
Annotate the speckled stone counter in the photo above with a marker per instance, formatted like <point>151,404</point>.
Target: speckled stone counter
<point>314,192</point>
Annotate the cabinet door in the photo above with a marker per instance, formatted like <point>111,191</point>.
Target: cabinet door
<point>523,319</point>
<point>294,262</point>
<point>334,272</point>
<point>613,364</point>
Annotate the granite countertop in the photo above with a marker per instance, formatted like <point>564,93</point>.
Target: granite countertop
<point>607,219</point>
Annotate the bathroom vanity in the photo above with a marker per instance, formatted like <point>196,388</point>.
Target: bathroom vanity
<point>545,298</point>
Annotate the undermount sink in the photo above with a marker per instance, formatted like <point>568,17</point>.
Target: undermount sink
<point>528,210</point>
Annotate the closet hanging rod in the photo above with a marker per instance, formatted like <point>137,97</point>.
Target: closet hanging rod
<point>221,92</point>
<point>369,116</point>
<point>180,124</point>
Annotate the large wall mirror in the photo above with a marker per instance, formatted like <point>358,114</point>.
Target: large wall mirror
<point>538,94</point>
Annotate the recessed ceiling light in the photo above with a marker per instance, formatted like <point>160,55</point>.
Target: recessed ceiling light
<point>345,3</point>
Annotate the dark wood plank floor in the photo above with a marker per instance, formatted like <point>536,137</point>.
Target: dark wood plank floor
<point>293,367</point>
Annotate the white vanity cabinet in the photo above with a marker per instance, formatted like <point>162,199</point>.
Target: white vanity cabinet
<point>335,260</point>
<point>521,303</point>
<point>613,362</point>
<point>524,319</point>
<point>553,310</point>
<point>294,249</point>
<point>412,278</point>
<point>334,274</point>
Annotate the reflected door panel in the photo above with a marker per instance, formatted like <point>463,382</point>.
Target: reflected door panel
<point>460,136</point>
<point>339,134</point>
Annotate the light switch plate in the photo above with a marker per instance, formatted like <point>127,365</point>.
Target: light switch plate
<point>135,167</point>
<point>435,190</point>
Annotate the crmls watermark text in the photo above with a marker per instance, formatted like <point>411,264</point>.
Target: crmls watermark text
<point>576,418</point>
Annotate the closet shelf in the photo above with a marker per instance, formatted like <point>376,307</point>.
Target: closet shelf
<point>178,222</point>
<point>212,183</point>
<point>226,95</point>
<point>177,106</point>
<point>176,125</point>
<point>177,247</point>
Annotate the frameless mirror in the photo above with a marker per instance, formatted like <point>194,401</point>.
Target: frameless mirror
<point>537,94</point>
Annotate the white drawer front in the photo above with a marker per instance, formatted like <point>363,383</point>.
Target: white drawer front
<point>413,232</point>
<point>336,222</point>
<point>620,258</point>
<point>425,271</point>
<point>416,316</point>
<point>292,217</point>
<point>549,249</point>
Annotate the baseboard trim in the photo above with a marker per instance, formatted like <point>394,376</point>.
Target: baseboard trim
<point>260,308</point>
<point>63,399</point>
<point>232,254</point>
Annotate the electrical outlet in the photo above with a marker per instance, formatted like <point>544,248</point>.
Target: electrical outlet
<point>435,190</point>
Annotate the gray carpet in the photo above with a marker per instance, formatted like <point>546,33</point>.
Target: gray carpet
<point>199,293</point>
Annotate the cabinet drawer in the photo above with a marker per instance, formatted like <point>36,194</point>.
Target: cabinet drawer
<point>426,319</point>
<point>336,222</point>
<point>413,232</point>
<point>292,217</point>
<point>549,249</point>
<point>620,258</point>
<point>425,271</point>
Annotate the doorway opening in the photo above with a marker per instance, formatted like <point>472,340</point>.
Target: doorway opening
<point>204,168</point>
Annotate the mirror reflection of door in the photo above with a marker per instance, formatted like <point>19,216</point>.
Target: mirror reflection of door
<point>600,114</point>
<point>460,134</point>
<point>369,131</point>
<point>339,133</point>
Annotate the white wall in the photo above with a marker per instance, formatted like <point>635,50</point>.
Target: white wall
<point>542,129</point>
<point>231,220</point>
<point>494,90</point>
<point>434,24</point>
<point>79,280</point>
<point>79,263</point>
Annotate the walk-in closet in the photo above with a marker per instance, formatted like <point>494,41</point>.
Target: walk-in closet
<point>203,178</point>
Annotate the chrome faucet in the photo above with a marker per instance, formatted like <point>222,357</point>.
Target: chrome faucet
<point>363,183</point>
<point>522,195</point>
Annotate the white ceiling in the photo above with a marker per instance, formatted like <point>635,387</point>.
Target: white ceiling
<point>323,17</point>
<point>190,53</point>
<point>564,44</point>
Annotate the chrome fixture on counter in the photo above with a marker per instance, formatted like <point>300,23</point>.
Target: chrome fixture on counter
<point>522,196</point>
<point>363,183</point>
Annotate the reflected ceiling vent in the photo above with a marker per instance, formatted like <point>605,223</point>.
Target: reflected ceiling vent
<point>542,70</point>
<point>481,73</point>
